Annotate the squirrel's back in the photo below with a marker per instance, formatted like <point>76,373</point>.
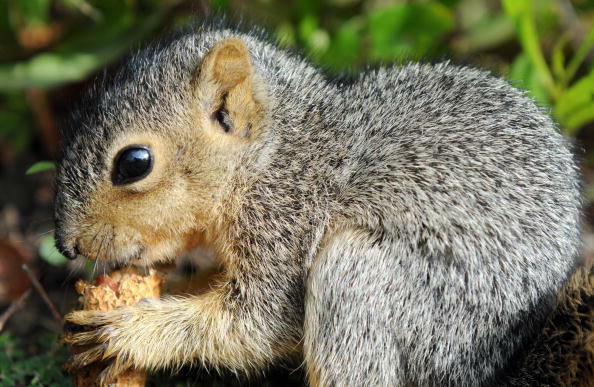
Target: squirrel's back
<point>461,150</point>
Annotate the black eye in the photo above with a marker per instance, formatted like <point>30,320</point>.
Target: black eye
<point>132,163</point>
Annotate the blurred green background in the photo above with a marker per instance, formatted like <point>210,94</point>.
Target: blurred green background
<point>50,50</point>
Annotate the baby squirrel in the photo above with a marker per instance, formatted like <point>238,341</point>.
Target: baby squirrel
<point>410,227</point>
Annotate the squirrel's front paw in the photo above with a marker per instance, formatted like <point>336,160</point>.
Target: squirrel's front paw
<point>102,336</point>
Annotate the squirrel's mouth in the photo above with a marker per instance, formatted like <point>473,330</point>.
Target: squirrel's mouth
<point>134,254</point>
<point>110,252</point>
<point>103,241</point>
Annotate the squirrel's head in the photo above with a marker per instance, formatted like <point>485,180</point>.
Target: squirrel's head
<point>147,163</point>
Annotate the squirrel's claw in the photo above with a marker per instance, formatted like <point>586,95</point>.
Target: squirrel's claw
<point>98,338</point>
<point>72,328</point>
<point>112,371</point>
<point>114,363</point>
<point>92,317</point>
<point>84,338</point>
<point>85,358</point>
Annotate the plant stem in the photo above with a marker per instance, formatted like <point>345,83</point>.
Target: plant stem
<point>580,55</point>
<point>530,43</point>
<point>43,294</point>
<point>16,305</point>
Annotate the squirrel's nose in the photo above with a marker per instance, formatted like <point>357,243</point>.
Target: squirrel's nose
<point>70,253</point>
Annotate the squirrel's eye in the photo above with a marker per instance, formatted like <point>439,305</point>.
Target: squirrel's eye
<point>132,163</point>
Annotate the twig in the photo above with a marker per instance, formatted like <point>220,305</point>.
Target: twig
<point>16,305</point>
<point>43,294</point>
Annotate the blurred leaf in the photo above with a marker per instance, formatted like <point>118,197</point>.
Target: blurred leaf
<point>579,94</point>
<point>51,69</point>
<point>490,31</point>
<point>585,48</point>
<point>85,8</point>
<point>522,13</point>
<point>515,8</point>
<point>558,58</point>
<point>34,12</point>
<point>4,16</point>
<point>523,75</point>
<point>345,46</point>
<point>220,5</point>
<point>40,167</point>
<point>580,117</point>
<point>408,31</point>
<point>285,34</point>
<point>49,252</point>
<point>15,123</point>
<point>575,106</point>
<point>307,26</point>
<point>449,3</point>
<point>306,8</point>
<point>117,21</point>
<point>315,39</point>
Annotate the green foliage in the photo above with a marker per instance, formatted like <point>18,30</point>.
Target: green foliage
<point>34,12</point>
<point>49,252</point>
<point>14,121</point>
<point>47,44</point>
<point>524,76</point>
<point>79,55</point>
<point>522,39</point>
<point>40,166</point>
<point>408,30</point>
<point>341,40</point>
<point>575,106</point>
<point>552,84</point>
<point>37,366</point>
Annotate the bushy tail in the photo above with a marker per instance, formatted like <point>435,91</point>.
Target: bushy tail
<point>563,353</point>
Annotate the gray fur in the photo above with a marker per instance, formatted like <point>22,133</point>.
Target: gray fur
<point>411,226</point>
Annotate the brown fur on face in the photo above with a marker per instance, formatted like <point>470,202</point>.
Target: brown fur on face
<point>169,210</point>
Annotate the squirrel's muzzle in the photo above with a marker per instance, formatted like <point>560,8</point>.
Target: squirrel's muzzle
<point>70,253</point>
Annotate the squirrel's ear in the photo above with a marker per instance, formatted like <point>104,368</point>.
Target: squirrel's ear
<point>226,65</point>
<point>229,92</point>
<point>227,88</point>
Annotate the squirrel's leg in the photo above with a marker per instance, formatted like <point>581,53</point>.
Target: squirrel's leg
<point>382,312</point>
<point>349,335</point>
<point>214,329</point>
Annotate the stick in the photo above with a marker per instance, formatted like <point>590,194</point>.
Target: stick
<point>14,306</point>
<point>43,294</point>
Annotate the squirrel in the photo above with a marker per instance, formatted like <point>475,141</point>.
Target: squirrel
<point>411,226</point>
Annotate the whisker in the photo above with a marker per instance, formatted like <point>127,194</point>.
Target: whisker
<point>38,236</point>
<point>92,244</point>
<point>98,251</point>
<point>109,248</point>
<point>94,270</point>
<point>37,221</point>
<point>52,254</point>
<point>70,273</point>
